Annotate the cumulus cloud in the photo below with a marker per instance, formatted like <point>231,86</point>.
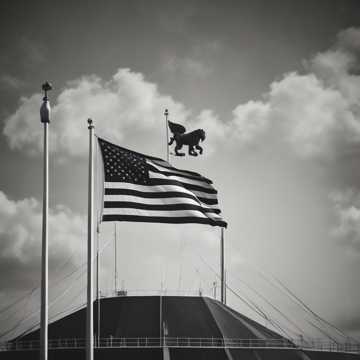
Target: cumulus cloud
<point>339,66</point>
<point>215,129</point>
<point>316,113</point>
<point>251,120</point>
<point>124,105</point>
<point>20,240</point>
<point>316,120</point>
<point>346,205</point>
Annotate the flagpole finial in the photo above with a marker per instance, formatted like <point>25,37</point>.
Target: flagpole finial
<point>45,107</point>
<point>46,87</point>
<point>91,124</point>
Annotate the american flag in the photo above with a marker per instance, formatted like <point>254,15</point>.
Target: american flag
<point>142,188</point>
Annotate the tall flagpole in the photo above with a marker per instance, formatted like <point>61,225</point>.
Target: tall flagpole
<point>97,282</point>
<point>115,261</point>
<point>222,266</point>
<point>45,119</point>
<point>225,280</point>
<point>90,275</point>
<point>97,252</point>
<point>166,113</point>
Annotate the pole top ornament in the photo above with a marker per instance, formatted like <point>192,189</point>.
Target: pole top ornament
<point>46,86</point>
<point>45,107</point>
<point>90,123</point>
<point>181,138</point>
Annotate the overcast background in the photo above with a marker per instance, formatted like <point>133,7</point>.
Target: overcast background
<point>276,86</point>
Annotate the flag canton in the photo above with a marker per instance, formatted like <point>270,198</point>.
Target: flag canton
<point>123,165</point>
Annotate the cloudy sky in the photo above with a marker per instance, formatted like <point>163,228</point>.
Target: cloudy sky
<point>276,86</point>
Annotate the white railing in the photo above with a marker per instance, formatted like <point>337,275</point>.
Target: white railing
<point>156,292</point>
<point>187,342</point>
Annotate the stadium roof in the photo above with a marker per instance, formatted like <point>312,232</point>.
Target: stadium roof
<point>171,328</point>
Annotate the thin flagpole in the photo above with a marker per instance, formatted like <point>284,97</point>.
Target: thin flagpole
<point>97,282</point>
<point>166,113</point>
<point>115,260</point>
<point>90,280</point>
<point>160,319</point>
<point>45,119</point>
<point>222,266</point>
<point>97,186</point>
<point>225,281</point>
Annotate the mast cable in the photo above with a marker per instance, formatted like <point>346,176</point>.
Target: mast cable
<point>293,323</point>
<point>296,300</point>
<point>317,316</point>
<point>81,267</point>
<point>248,302</point>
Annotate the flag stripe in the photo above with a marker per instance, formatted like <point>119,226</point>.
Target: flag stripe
<point>159,201</point>
<point>163,186</point>
<point>169,172</point>
<point>164,220</point>
<point>183,185</point>
<point>158,195</point>
<point>200,194</point>
<point>166,165</point>
<point>159,207</point>
<point>174,213</point>
<point>184,181</point>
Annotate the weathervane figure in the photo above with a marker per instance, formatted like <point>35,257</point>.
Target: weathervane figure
<point>182,138</point>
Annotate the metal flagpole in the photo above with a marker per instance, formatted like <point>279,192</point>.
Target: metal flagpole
<point>166,113</point>
<point>115,260</point>
<point>160,319</point>
<point>90,280</point>
<point>97,282</point>
<point>97,186</point>
<point>45,119</point>
<point>222,264</point>
<point>225,277</point>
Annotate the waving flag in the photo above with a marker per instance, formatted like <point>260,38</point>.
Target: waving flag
<point>142,188</point>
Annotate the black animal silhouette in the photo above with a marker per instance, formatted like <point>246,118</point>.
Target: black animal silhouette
<point>182,138</point>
